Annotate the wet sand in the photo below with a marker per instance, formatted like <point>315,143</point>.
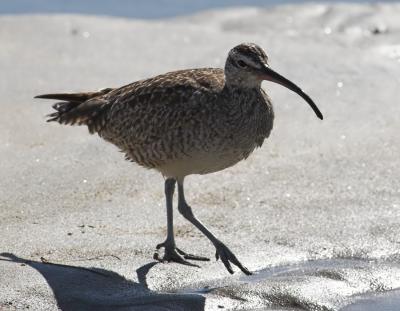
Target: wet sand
<point>314,212</point>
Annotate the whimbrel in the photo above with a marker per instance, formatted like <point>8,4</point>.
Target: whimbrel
<point>194,121</point>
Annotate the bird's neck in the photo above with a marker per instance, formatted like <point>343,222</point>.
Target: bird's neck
<point>241,81</point>
<point>242,99</point>
<point>239,85</point>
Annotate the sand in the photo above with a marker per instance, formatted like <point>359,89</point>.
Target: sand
<point>314,212</point>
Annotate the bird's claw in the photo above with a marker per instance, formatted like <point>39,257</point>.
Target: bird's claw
<point>227,257</point>
<point>163,244</point>
<point>191,256</point>
<point>174,254</point>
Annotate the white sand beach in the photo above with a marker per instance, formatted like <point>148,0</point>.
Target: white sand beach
<point>315,212</point>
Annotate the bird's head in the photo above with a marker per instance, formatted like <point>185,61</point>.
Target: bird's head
<point>247,66</point>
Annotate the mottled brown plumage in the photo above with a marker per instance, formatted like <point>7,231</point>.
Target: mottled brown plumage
<point>178,122</point>
<point>194,121</point>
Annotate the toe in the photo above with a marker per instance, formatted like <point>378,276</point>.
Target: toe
<point>195,257</point>
<point>227,265</point>
<point>240,266</point>
<point>173,254</point>
<point>228,257</point>
<point>187,263</point>
<point>175,257</point>
<point>191,256</point>
<point>160,245</point>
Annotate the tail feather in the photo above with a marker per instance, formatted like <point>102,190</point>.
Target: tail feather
<point>79,108</point>
<point>75,97</point>
<point>61,108</point>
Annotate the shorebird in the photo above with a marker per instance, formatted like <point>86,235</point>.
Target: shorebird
<point>194,121</point>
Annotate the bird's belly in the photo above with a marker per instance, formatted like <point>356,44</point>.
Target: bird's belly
<point>203,163</point>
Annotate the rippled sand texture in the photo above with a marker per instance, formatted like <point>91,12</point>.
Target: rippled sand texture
<point>315,212</point>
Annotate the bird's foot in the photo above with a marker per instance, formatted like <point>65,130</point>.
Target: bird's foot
<point>191,256</point>
<point>174,254</point>
<point>227,257</point>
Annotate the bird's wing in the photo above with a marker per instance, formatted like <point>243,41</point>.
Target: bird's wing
<point>147,110</point>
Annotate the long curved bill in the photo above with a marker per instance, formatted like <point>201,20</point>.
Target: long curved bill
<point>271,75</point>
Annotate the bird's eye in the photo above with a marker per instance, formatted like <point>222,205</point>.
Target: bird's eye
<point>241,64</point>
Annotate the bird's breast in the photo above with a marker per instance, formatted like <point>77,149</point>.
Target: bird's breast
<point>223,140</point>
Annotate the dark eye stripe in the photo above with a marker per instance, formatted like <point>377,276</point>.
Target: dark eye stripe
<point>241,63</point>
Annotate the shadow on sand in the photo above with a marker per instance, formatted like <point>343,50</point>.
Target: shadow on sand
<point>78,288</point>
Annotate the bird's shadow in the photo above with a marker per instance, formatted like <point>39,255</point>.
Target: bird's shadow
<point>78,288</point>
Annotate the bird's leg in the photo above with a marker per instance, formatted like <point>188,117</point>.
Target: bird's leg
<point>222,251</point>
<point>169,194</point>
<point>172,253</point>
